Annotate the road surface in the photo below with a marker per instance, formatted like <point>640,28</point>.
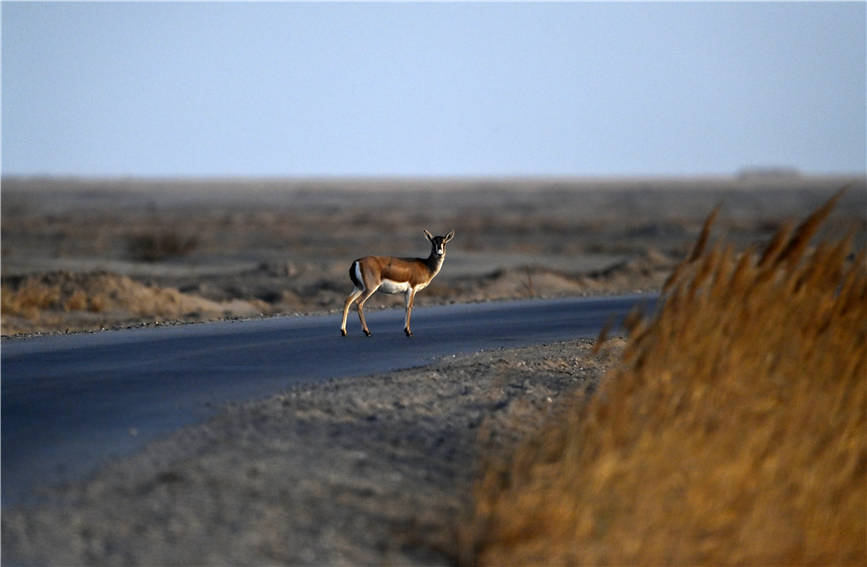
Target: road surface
<point>71,402</point>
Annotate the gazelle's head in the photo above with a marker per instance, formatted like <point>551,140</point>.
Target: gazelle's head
<point>438,243</point>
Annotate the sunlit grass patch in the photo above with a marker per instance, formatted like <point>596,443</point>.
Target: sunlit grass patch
<point>732,432</point>
<point>93,300</point>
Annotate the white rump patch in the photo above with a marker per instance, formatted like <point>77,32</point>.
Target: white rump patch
<point>358,274</point>
<point>389,286</point>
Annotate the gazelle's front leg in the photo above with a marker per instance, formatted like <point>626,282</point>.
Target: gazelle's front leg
<point>410,298</point>
<point>352,297</point>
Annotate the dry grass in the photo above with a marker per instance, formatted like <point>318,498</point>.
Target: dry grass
<point>32,296</point>
<point>96,299</point>
<point>732,433</point>
<point>28,300</point>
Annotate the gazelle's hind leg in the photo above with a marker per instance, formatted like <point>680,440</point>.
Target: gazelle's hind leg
<point>364,297</point>
<point>356,293</point>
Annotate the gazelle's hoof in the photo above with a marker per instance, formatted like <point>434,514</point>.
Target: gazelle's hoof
<point>408,332</point>
<point>342,332</point>
<point>366,332</point>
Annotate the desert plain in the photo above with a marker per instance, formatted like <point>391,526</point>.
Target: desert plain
<point>96,254</point>
<point>365,471</point>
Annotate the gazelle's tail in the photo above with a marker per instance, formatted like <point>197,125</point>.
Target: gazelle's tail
<point>355,275</point>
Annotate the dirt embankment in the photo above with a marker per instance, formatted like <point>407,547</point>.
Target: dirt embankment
<point>58,301</point>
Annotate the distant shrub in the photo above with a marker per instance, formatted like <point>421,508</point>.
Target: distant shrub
<point>33,295</point>
<point>28,296</point>
<point>157,246</point>
<point>76,302</point>
<point>732,433</point>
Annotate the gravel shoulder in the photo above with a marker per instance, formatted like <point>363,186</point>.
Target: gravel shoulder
<point>369,471</point>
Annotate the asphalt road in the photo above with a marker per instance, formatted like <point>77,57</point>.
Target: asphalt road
<point>71,402</point>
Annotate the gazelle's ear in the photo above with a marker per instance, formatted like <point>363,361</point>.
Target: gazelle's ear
<point>449,236</point>
<point>429,235</point>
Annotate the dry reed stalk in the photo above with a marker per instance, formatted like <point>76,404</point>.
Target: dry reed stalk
<point>700,244</point>
<point>681,271</point>
<point>603,335</point>
<point>795,248</point>
<point>775,246</point>
<point>732,432</point>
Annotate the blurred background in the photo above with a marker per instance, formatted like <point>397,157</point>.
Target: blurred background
<point>191,161</point>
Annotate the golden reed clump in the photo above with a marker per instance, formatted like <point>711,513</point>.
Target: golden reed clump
<point>732,433</point>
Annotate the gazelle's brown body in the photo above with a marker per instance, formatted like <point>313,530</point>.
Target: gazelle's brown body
<point>394,275</point>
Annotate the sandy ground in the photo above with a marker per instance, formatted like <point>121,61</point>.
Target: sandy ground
<point>370,471</point>
<point>80,254</point>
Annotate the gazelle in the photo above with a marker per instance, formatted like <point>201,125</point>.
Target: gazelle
<point>394,275</point>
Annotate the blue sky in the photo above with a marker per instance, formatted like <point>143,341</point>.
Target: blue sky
<point>286,89</point>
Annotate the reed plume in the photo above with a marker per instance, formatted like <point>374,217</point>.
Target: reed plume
<point>731,433</point>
